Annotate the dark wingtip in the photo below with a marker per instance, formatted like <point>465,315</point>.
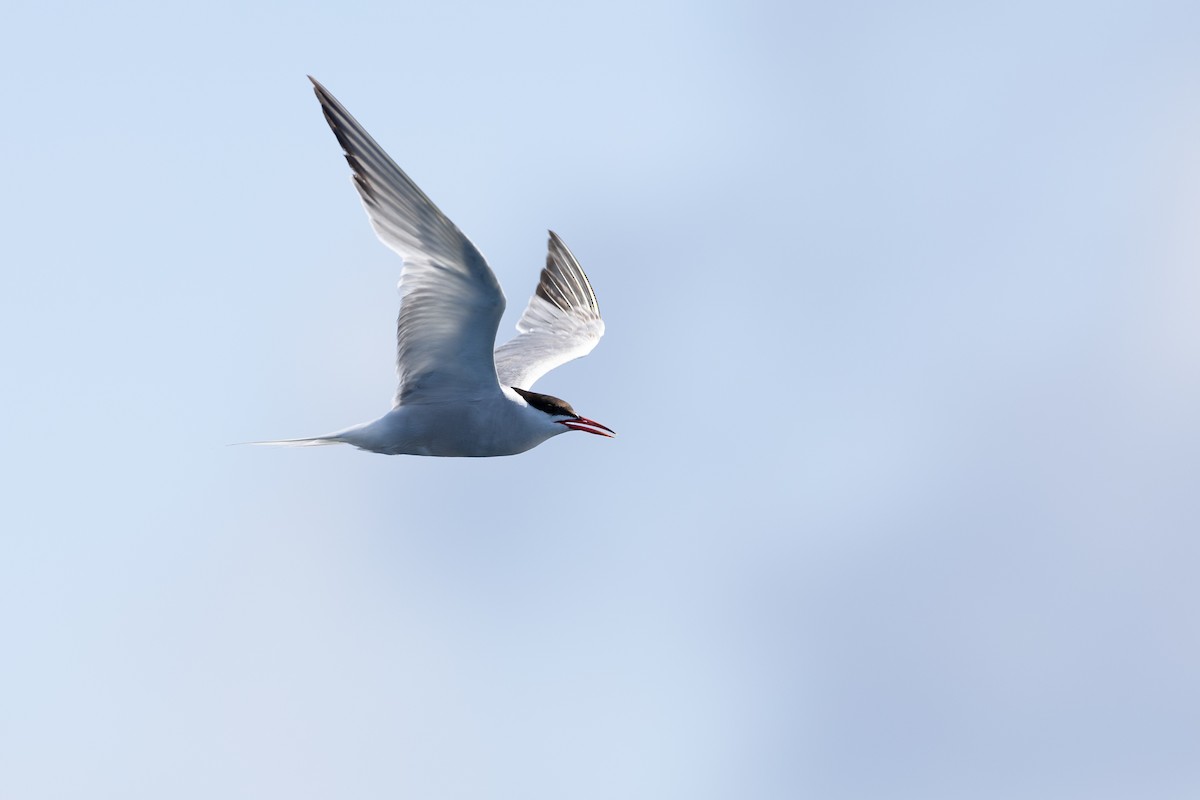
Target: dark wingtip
<point>322,93</point>
<point>563,282</point>
<point>556,242</point>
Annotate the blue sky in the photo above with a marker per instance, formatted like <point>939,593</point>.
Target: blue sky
<point>902,347</point>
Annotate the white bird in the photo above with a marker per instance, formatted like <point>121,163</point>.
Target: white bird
<point>456,397</point>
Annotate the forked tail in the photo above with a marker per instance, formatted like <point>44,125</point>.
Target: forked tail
<point>312,441</point>
<point>351,436</point>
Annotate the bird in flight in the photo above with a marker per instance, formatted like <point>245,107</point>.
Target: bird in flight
<point>458,396</point>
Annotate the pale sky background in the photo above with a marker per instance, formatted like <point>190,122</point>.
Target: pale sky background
<point>903,306</point>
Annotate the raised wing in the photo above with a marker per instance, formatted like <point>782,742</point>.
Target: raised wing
<point>450,302</point>
<point>561,323</point>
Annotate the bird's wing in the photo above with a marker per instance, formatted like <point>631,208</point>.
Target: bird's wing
<point>450,302</point>
<point>561,323</point>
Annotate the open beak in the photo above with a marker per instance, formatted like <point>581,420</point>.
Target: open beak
<point>588,426</point>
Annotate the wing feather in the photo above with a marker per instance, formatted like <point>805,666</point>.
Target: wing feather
<point>561,323</point>
<point>450,301</point>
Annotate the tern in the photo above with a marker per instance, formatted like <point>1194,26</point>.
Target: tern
<point>456,395</point>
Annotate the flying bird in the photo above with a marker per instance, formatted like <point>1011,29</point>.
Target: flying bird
<point>459,394</point>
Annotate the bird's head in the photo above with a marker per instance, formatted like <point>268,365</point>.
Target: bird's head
<point>558,412</point>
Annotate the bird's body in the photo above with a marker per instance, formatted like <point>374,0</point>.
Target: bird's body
<point>499,425</point>
<point>458,394</point>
